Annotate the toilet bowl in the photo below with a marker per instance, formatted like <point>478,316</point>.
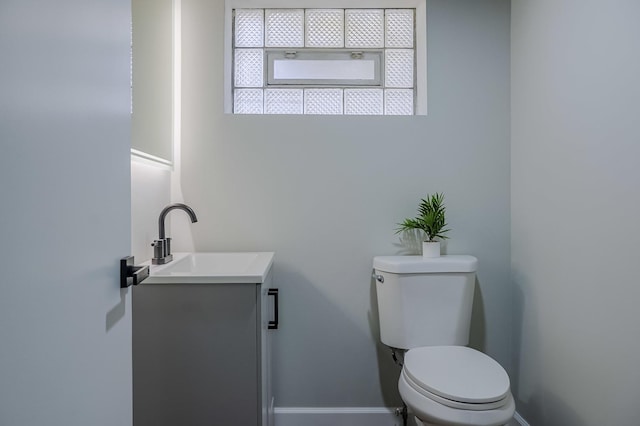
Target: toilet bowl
<point>455,386</point>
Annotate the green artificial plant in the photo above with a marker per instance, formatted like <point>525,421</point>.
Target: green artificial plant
<point>430,220</point>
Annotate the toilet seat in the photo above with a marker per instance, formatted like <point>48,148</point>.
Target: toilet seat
<point>452,403</point>
<point>455,385</point>
<point>429,411</point>
<point>457,376</point>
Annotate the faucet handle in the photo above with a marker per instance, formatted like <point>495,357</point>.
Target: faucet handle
<point>158,249</point>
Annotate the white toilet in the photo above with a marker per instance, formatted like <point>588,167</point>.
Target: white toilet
<point>425,308</point>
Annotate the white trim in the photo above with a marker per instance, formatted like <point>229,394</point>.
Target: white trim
<point>518,418</point>
<point>229,5</point>
<point>421,57</point>
<point>352,416</point>
<point>328,4</point>
<point>330,416</point>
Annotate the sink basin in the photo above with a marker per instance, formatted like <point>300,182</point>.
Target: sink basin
<point>212,268</point>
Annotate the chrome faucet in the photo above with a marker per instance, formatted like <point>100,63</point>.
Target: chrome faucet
<point>162,246</point>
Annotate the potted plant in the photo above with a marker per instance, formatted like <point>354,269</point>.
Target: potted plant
<point>431,221</point>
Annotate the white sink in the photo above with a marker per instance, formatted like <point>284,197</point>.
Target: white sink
<point>212,268</point>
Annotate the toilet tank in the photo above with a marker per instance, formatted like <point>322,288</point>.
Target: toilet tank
<point>424,301</point>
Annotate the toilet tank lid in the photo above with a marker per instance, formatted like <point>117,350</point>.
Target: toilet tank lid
<point>421,265</point>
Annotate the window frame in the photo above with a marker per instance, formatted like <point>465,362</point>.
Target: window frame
<point>420,101</point>
<point>273,55</point>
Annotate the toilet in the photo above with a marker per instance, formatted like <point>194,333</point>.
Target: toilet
<point>424,307</point>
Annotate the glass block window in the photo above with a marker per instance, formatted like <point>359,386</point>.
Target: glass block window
<point>284,28</point>
<point>248,67</point>
<point>323,101</point>
<point>249,28</point>
<point>363,101</point>
<point>365,28</point>
<point>324,28</point>
<point>324,61</point>
<point>283,101</point>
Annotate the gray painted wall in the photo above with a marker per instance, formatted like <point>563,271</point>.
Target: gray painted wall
<point>65,325</point>
<point>325,193</point>
<point>575,209</point>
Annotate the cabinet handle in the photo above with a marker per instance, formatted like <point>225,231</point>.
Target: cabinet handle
<point>273,325</point>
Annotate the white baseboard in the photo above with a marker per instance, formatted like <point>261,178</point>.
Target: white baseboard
<point>345,416</point>
<point>518,418</point>
<point>335,416</point>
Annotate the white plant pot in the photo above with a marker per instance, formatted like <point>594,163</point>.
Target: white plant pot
<point>431,249</point>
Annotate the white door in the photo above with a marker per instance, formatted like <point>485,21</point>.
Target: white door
<point>65,325</point>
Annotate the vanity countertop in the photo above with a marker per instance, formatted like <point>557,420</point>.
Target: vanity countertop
<point>212,268</point>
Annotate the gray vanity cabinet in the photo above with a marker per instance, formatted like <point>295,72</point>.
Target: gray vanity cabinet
<point>201,354</point>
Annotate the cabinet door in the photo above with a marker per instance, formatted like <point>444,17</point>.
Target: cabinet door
<point>267,314</point>
<point>195,355</point>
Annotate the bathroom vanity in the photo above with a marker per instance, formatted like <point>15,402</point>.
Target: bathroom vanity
<point>201,341</point>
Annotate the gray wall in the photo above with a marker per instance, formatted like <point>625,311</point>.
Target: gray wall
<point>65,325</point>
<point>325,193</point>
<point>575,209</point>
